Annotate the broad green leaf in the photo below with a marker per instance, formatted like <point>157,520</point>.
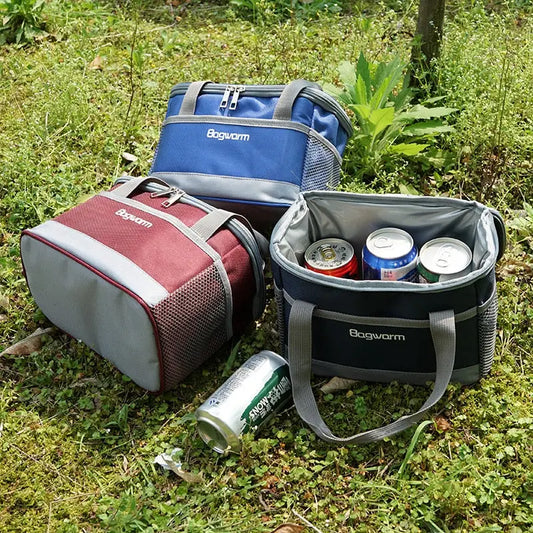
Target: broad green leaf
<point>360,91</point>
<point>380,119</point>
<point>419,112</point>
<point>408,148</point>
<point>363,72</point>
<point>347,73</point>
<point>362,110</point>
<point>408,189</point>
<point>431,127</point>
<point>331,89</point>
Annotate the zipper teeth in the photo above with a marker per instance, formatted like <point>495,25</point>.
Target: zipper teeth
<point>315,95</point>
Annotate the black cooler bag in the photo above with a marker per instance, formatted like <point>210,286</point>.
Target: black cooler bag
<point>384,330</point>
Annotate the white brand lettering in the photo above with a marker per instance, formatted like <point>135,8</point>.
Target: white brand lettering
<point>367,336</point>
<point>227,136</point>
<point>122,213</point>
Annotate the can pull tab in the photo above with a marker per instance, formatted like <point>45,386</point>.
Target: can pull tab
<point>445,253</point>
<point>383,242</point>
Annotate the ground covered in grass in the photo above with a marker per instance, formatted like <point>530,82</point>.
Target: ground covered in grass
<point>77,439</point>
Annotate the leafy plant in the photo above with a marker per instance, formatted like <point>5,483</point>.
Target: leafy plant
<point>522,223</point>
<point>388,126</point>
<point>260,10</point>
<point>21,20</point>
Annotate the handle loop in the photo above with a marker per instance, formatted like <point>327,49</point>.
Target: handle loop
<point>283,110</point>
<point>442,326</point>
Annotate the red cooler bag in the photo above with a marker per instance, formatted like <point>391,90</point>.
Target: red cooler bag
<point>150,278</point>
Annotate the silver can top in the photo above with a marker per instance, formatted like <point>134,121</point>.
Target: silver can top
<point>389,243</point>
<point>329,254</point>
<point>445,255</point>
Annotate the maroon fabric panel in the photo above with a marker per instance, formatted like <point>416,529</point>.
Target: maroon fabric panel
<point>160,250</point>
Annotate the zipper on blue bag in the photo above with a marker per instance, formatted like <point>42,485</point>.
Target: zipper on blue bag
<point>233,92</point>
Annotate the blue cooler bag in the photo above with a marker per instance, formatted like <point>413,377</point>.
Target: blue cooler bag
<point>378,330</point>
<point>251,148</point>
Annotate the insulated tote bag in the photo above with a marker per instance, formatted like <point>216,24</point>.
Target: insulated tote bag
<point>251,148</point>
<point>384,330</point>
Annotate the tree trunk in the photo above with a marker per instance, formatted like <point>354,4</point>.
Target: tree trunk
<point>428,34</point>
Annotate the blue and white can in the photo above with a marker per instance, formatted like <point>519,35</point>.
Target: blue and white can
<point>390,254</point>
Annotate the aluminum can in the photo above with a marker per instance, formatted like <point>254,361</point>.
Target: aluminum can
<point>442,259</point>
<point>244,401</point>
<point>390,254</point>
<point>332,257</point>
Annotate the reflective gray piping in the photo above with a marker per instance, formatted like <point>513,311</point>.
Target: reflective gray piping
<point>195,238</point>
<point>469,374</point>
<point>381,321</point>
<point>256,123</point>
<point>229,187</point>
<point>104,259</point>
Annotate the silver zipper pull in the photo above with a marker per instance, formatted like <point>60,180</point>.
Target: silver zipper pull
<point>176,195</point>
<point>225,98</point>
<point>235,98</point>
<point>167,192</point>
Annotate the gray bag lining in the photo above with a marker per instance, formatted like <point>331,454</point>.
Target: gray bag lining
<point>353,217</point>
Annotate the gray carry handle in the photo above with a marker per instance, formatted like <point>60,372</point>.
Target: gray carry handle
<point>283,110</point>
<point>127,189</point>
<point>442,325</point>
<point>188,105</point>
<point>208,225</point>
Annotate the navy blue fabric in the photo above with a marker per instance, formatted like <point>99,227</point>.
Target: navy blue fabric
<point>371,347</point>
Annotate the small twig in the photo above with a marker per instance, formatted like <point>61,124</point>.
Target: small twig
<point>265,505</point>
<point>306,522</point>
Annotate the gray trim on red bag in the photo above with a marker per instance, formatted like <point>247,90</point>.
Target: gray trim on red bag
<point>103,258</point>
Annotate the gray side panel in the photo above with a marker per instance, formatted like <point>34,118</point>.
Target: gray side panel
<point>86,306</point>
<point>243,189</point>
<point>104,259</point>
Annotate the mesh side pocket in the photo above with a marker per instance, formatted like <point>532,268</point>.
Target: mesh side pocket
<point>321,167</point>
<point>192,325</point>
<point>487,335</point>
<point>278,294</point>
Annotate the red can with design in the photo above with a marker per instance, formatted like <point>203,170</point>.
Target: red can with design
<point>332,257</point>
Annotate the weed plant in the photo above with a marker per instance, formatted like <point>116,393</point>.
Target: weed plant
<point>78,439</point>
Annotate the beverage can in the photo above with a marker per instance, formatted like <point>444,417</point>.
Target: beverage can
<point>332,257</point>
<point>390,254</point>
<point>244,401</point>
<point>442,259</point>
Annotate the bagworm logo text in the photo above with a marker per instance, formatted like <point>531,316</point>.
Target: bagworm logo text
<point>227,136</point>
<point>128,216</point>
<point>367,336</point>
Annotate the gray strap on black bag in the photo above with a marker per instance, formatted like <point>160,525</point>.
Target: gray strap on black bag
<point>442,326</point>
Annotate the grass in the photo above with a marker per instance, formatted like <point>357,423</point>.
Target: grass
<point>77,439</point>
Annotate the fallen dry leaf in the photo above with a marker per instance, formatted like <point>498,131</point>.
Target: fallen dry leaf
<point>97,63</point>
<point>32,343</point>
<point>336,384</point>
<point>288,528</point>
<point>4,302</point>
<point>443,424</point>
